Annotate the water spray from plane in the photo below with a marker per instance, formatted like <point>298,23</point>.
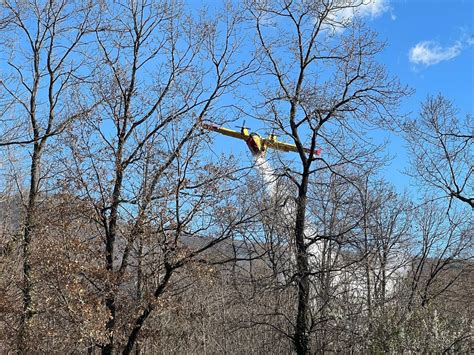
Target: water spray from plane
<point>267,173</point>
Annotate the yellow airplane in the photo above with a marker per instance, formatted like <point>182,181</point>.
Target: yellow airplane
<point>256,144</point>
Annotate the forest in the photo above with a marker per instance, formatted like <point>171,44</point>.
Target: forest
<point>122,231</point>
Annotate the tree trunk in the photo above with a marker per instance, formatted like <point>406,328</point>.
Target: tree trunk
<point>28,231</point>
<point>301,341</point>
<point>111,234</point>
<point>140,320</point>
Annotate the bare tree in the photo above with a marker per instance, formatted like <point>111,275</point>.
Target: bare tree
<point>387,231</point>
<point>43,76</point>
<point>298,42</point>
<point>162,70</point>
<point>443,244</point>
<point>441,147</point>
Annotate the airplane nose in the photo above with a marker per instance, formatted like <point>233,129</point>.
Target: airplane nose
<point>253,146</point>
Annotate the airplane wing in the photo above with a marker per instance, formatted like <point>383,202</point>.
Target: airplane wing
<point>287,147</point>
<point>225,131</point>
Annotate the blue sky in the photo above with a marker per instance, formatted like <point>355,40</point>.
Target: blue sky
<point>430,47</point>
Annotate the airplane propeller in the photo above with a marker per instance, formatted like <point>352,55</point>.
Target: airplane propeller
<point>243,126</point>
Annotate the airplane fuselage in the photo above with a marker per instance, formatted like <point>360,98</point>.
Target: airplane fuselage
<point>256,144</point>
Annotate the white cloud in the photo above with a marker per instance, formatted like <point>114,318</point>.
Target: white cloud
<point>364,8</point>
<point>374,8</point>
<point>430,53</point>
<point>356,8</point>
